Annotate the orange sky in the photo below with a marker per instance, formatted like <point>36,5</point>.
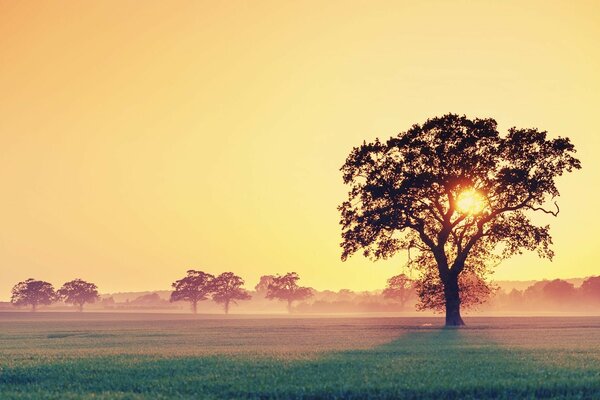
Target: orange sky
<point>140,139</point>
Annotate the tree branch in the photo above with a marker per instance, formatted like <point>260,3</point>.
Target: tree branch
<point>554,213</point>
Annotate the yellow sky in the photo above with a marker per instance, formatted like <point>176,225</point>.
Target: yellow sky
<point>140,139</point>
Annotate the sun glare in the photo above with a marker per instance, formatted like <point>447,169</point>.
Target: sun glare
<point>470,202</point>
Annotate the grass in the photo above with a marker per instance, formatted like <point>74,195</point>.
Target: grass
<point>165,357</point>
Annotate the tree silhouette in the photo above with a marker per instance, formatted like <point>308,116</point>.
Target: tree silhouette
<point>78,292</point>
<point>590,288</point>
<point>400,288</point>
<point>227,288</point>
<point>473,290</point>
<point>195,287</point>
<point>32,293</point>
<point>559,292</point>
<point>263,284</point>
<point>451,188</point>
<point>286,288</point>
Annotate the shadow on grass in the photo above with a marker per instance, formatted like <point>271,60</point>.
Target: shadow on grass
<point>434,364</point>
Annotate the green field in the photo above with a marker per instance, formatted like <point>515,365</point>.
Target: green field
<point>137,356</point>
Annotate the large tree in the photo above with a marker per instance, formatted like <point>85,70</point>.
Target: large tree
<point>227,288</point>
<point>33,293</point>
<point>286,288</point>
<point>194,287</point>
<point>78,292</point>
<point>455,190</point>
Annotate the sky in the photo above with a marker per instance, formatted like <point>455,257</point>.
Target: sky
<point>142,139</point>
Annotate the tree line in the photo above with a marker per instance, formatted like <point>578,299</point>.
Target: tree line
<point>196,286</point>
<point>227,289</point>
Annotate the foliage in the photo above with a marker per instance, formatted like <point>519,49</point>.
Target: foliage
<point>227,288</point>
<point>78,292</point>
<point>474,290</point>
<point>559,291</point>
<point>286,288</point>
<point>263,283</point>
<point>405,194</point>
<point>32,293</point>
<point>591,288</point>
<point>474,284</point>
<point>400,288</point>
<point>194,287</point>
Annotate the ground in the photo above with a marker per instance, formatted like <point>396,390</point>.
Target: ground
<point>152,356</point>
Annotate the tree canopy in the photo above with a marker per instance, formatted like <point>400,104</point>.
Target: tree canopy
<point>286,288</point>
<point>78,292</point>
<point>194,287</point>
<point>227,288</point>
<point>400,288</point>
<point>455,190</point>
<point>33,293</point>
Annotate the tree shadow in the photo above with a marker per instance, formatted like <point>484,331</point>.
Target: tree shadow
<point>431,363</point>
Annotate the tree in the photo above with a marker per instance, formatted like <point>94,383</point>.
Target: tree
<point>473,291</point>
<point>263,284</point>
<point>32,293</point>
<point>453,189</point>
<point>559,292</point>
<point>195,287</point>
<point>473,283</point>
<point>286,288</point>
<point>227,288</point>
<point>590,288</point>
<point>399,287</point>
<point>78,292</point>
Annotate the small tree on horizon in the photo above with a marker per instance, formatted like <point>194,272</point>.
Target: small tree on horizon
<point>590,288</point>
<point>451,188</point>
<point>227,288</point>
<point>286,288</point>
<point>194,287</point>
<point>399,288</point>
<point>78,292</point>
<point>32,293</point>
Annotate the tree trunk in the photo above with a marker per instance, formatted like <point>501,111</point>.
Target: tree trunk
<point>33,307</point>
<point>195,307</point>
<point>226,306</point>
<point>452,297</point>
<point>80,307</point>
<point>289,306</point>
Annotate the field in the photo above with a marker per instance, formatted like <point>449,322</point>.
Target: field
<point>153,356</point>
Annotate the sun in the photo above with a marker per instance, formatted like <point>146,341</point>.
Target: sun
<point>470,201</point>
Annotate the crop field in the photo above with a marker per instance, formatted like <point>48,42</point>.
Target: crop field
<point>154,356</point>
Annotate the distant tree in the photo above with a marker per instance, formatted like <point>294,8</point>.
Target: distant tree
<point>263,284</point>
<point>33,293</point>
<point>227,288</point>
<point>533,295</point>
<point>559,292</point>
<point>286,288</point>
<point>195,287</point>
<point>400,288</point>
<point>345,295</point>
<point>450,188</point>
<point>590,289</point>
<point>78,292</point>
<point>515,299</point>
<point>149,300</point>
